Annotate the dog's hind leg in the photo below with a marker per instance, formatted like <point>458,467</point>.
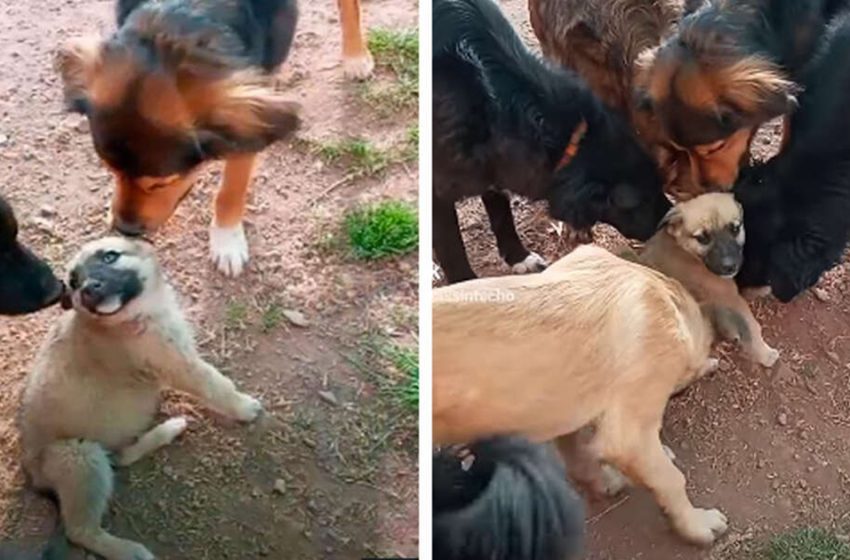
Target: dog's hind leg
<point>80,474</point>
<point>448,243</point>
<point>159,436</point>
<point>228,246</point>
<point>520,259</point>
<point>632,444</point>
<point>585,466</point>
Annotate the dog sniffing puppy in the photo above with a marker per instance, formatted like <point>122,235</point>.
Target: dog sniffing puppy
<point>729,67</point>
<point>592,340</point>
<point>700,243</point>
<point>180,83</point>
<point>95,386</point>
<point>505,498</point>
<point>797,205</point>
<point>505,120</point>
<point>27,284</point>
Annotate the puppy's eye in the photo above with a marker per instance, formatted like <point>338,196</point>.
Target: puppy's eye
<point>110,257</point>
<point>702,238</point>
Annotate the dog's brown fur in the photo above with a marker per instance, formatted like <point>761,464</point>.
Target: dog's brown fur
<point>593,340</point>
<point>675,252</point>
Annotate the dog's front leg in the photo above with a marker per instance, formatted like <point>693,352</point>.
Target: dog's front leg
<point>357,61</point>
<point>228,246</point>
<point>215,390</point>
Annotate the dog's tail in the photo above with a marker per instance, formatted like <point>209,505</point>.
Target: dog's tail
<point>512,503</point>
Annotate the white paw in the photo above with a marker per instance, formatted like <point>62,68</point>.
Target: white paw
<point>613,481</point>
<point>532,263</point>
<point>710,365</point>
<point>135,551</point>
<point>769,357</point>
<point>702,526</point>
<point>247,408</point>
<point>173,427</point>
<point>358,67</point>
<point>229,249</point>
<point>669,453</point>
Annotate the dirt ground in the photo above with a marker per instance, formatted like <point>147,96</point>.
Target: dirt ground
<point>770,448</point>
<point>332,471</point>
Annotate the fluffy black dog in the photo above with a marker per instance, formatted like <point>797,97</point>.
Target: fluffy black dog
<point>797,205</point>
<point>504,120</point>
<point>26,282</point>
<point>513,503</point>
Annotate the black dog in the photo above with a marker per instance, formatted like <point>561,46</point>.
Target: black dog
<point>797,205</point>
<point>513,503</point>
<point>26,282</point>
<point>504,120</point>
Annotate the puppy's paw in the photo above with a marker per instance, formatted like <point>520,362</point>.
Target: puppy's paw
<point>134,551</point>
<point>756,293</point>
<point>769,356</point>
<point>247,409</point>
<point>702,526</point>
<point>669,453</point>
<point>710,366</point>
<point>229,249</point>
<point>358,67</point>
<point>613,481</point>
<point>532,263</point>
<point>173,427</point>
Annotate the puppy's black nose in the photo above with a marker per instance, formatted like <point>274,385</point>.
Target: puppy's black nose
<point>91,294</point>
<point>130,229</point>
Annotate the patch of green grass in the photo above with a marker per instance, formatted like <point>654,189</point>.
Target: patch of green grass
<point>235,315</point>
<point>806,544</point>
<point>359,155</point>
<point>405,359</point>
<point>272,317</point>
<point>397,50</point>
<point>381,230</point>
<point>410,151</point>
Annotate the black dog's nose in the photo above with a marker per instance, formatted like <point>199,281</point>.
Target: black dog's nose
<point>130,229</point>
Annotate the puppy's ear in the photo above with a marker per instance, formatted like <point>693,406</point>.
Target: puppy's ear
<point>76,62</point>
<point>672,221</point>
<point>246,118</point>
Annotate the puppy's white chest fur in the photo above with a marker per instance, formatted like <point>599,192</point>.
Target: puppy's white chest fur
<point>100,382</point>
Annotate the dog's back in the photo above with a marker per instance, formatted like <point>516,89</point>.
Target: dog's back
<point>512,503</point>
<point>240,33</point>
<point>561,343</point>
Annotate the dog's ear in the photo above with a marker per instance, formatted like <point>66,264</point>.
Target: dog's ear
<point>672,220</point>
<point>759,89</point>
<point>76,62</point>
<point>245,117</point>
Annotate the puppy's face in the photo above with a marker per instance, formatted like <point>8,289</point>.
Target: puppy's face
<point>155,121</point>
<point>26,282</point>
<point>112,278</point>
<point>709,101</point>
<point>711,228</point>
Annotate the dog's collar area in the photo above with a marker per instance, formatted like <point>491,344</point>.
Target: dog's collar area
<point>572,147</point>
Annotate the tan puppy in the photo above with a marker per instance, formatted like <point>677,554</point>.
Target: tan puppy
<point>700,243</point>
<point>593,340</point>
<point>95,386</point>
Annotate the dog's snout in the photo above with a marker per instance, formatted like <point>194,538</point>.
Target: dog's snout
<point>129,228</point>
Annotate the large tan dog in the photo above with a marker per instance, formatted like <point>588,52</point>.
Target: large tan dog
<point>700,244</point>
<point>96,383</point>
<point>593,340</point>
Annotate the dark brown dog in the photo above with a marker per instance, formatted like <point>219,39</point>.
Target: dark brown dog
<point>181,83</point>
<point>730,66</point>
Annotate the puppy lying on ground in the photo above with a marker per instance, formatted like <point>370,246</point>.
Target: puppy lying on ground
<point>95,386</point>
<point>512,503</point>
<point>593,340</point>
<point>700,243</point>
<point>797,205</point>
<point>26,282</point>
<point>504,120</point>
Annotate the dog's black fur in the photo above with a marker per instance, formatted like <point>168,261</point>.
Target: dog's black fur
<point>797,205</point>
<point>502,119</point>
<point>27,284</point>
<point>514,503</point>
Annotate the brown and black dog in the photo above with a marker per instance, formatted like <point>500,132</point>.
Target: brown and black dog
<point>729,67</point>
<point>183,82</point>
